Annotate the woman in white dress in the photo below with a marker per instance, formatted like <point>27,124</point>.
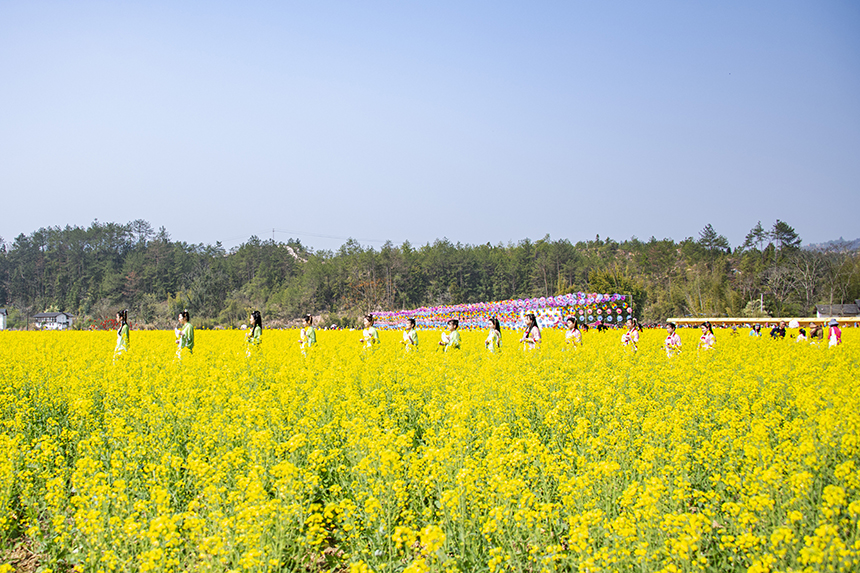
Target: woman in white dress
<point>494,338</point>
<point>573,336</point>
<point>531,338</point>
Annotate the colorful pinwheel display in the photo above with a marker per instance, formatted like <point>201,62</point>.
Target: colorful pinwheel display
<point>550,311</point>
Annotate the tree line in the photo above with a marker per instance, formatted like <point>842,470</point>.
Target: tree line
<point>91,272</point>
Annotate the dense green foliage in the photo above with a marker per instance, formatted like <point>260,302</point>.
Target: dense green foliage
<point>92,271</point>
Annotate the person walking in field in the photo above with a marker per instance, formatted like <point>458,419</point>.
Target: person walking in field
<point>453,340</point>
<point>756,331</point>
<point>122,333</point>
<point>816,333</point>
<point>778,330</point>
<point>834,337</point>
<point>369,337</point>
<point>255,334</point>
<point>307,334</point>
<point>572,336</point>
<point>531,338</point>
<point>184,334</point>
<point>672,343</point>
<point>707,340</point>
<point>494,338</point>
<point>631,337</point>
<point>410,336</point>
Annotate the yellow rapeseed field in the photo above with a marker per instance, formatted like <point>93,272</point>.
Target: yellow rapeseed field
<point>743,458</point>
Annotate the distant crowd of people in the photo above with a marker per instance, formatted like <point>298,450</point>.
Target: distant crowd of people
<point>815,335</point>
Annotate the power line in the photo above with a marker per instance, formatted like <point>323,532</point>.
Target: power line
<point>301,233</point>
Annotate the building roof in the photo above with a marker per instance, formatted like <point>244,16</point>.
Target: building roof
<point>52,315</point>
<point>852,309</point>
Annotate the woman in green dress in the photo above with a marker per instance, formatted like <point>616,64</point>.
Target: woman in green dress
<point>184,334</point>
<point>369,336</point>
<point>494,339</point>
<point>122,338</point>
<point>410,336</point>
<point>453,335</point>
<point>308,334</point>
<point>255,333</point>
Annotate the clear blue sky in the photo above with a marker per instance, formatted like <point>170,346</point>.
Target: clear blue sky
<point>475,121</point>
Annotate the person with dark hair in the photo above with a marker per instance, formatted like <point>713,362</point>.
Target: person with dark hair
<point>631,337</point>
<point>756,330</point>
<point>816,333</point>
<point>834,337</point>
<point>707,340</point>
<point>453,340</point>
<point>255,333</point>
<point>184,334</point>
<point>122,337</point>
<point>573,336</point>
<point>494,339</point>
<point>369,335</point>
<point>673,341</point>
<point>531,337</point>
<point>778,331</point>
<point>801,335</point>
<point>410,336</point>
<point>307,334</point>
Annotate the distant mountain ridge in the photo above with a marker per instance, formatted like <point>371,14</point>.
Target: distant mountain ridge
<point>839,244</point>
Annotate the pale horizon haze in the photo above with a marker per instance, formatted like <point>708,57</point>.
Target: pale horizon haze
<point>478,121</point>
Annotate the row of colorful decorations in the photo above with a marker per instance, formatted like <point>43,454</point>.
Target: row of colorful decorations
<point>550,312</point>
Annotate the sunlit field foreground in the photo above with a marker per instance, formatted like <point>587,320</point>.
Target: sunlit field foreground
<point>743,457</point>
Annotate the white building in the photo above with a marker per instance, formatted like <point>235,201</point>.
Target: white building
<point>3,314</point>
<point>53,320</point>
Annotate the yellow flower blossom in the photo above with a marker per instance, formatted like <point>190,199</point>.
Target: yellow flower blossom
<point>741,458</point>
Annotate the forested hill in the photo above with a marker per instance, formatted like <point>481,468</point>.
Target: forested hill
<point>91,272</point>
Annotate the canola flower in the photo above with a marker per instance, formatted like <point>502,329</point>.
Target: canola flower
<point>743,457</point>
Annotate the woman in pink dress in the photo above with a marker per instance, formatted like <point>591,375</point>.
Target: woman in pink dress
<point>573,336</point>
<point>631,337</point>
<point>531,339</point>
<point>706,341</point>
<point>673,341</point>
<point>834,337</point>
